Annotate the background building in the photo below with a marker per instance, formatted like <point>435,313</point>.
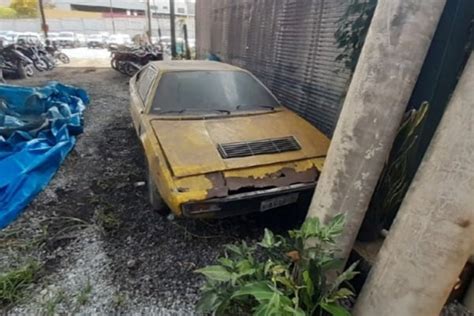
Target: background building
<point>92,16</point>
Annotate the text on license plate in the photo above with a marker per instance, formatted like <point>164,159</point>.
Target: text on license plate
<point>278,201</point>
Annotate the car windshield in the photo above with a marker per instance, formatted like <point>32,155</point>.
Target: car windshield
<point>207,91</point>
<point>66,34</point>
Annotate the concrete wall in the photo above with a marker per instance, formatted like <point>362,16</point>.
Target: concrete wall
<point>288,44</point>
<point>130,26</point>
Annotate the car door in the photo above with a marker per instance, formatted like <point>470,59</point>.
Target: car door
<point>143,82</point>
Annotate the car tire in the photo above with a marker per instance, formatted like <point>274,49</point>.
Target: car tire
<point>156,201</point>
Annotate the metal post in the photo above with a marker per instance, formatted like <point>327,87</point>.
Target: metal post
<point>44,26</point>
<point>172,29</point>
<point>186,43</point>
<point>111,10</point>
<point>148,13</point>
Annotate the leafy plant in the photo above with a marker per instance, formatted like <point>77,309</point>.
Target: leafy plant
<point>352,30</point>
<point>280,275</point>
<point>394,179</point>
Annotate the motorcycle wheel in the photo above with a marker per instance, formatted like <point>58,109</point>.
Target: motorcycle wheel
<point>130,69</point>
<point>29,70</point>
<point>40,65</point>
<point>64,58</point>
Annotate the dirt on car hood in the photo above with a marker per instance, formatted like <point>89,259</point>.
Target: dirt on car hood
<point>191,145</point>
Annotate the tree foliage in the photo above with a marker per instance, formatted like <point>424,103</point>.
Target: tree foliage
<point>7,13</point>
<point>25,8</point>
<point>352,30</point>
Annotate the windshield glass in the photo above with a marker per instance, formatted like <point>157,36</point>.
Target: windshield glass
<point>207,91</point>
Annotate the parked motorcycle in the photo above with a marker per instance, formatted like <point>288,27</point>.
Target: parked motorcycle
<point>15,63</point>
<point>128,60</point>
<point>32,53</point>
<point>57,54</point>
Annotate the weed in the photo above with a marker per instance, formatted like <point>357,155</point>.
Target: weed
<point>14,282</point>
<point>107,220</point>
<point>83,296</point>
<point>50,305</point>
<point>119,300</point>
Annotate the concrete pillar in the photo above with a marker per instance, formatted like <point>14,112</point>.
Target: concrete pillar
<point>432,237</point>
<point>396,45</point>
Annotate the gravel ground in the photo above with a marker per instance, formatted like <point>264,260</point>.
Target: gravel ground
<point>101,247</point>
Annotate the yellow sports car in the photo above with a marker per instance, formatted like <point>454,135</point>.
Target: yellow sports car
<point>218,143</point>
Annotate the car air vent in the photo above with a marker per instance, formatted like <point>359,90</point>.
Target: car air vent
<point>258,147</point>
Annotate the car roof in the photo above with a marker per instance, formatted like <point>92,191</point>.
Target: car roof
<point>193,65</point>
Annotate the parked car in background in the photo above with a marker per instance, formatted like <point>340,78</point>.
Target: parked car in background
<point>96,41</point>
<point>29,38</point>
<point>218,143</point>
<point>53,37</point>
<point>119,39</point>
<point>67,39</point>
<point>81,39</point>
<point>5,41</point>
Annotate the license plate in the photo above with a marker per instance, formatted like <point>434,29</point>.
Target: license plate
<point>278,201</point>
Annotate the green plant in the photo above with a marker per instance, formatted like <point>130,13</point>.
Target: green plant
<point>49,307</point>
<point>7,13</point>
<point>352,30</point>
<point>25,8</point>
<point>84,294</point>
<point>394,180</point>
<point>280,275</point>
<point>14,282</point>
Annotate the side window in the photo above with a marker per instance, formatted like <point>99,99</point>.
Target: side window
<point>145,80</point>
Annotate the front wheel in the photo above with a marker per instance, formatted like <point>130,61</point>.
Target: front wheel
<point>29,70</point>
<point>40,65</point>
<point>156,201</point>
<point>64,58</point>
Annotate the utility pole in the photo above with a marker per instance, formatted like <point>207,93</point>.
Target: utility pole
<point>172,29</point>
<point>432,237</point>
<point>44,26</point>
<point>148,13</point>
<point>186,42</point>
<point>111,10</point>
<point>386,74</point>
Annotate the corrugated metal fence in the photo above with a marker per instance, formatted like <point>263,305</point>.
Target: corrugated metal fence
<point>288,44</point>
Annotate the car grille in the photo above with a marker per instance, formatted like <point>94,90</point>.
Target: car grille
<point>258,147</point>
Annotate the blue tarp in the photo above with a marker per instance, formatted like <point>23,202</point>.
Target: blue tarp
<point>37,129</point>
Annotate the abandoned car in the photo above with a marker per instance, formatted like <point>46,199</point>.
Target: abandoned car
<point>218,143</point>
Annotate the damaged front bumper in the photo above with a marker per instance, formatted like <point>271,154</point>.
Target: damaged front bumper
<point>248,202</point>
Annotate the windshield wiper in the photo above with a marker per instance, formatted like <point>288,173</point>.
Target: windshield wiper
<point>222,111</point>
<point>194,110</point>
<point>241,106</point>
<point>172,111</point>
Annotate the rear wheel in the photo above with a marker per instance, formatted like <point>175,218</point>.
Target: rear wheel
<point>156,201</point>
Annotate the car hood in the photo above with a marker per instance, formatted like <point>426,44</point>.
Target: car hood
<point>190,145</point>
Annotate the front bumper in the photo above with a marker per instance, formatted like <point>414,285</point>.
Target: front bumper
<point>244,203</point>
